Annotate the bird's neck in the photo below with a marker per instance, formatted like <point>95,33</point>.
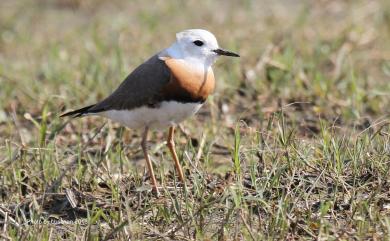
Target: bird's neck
<point>175,52</point>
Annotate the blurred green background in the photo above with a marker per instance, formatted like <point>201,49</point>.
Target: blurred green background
<point>302,117</point>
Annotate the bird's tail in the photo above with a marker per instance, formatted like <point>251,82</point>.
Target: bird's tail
<point>80,112</point>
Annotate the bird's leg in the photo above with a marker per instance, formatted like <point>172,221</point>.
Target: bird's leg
<point>171,146</point>
<point>148,162</point>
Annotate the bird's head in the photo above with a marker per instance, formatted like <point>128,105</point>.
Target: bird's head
<point>198,45</point>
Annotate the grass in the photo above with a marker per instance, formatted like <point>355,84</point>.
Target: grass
<point>294,144</point>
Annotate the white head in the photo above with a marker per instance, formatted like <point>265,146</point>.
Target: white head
<point>197,46</point>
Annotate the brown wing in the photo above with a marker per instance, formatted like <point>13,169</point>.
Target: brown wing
<point>142,87</point>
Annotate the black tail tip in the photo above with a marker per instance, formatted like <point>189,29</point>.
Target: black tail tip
<point>77,113</point>
<point>70,113</point>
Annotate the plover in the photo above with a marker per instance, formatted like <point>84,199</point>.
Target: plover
<point>163,91</point>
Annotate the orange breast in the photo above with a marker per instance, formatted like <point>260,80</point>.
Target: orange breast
<point>189,83</point>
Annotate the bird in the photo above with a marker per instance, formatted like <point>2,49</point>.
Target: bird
<point>166,89</point>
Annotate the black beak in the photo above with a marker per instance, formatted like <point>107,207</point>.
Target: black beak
<point>225,52</point>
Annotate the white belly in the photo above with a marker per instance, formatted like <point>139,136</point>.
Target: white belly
<point>169,113</point>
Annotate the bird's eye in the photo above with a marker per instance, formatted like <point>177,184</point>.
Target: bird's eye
<point>198,43</point>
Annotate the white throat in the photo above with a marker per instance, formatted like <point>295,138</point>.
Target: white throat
<point>199,62</point>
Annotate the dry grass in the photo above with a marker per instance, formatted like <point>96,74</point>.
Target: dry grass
<point>293,145</point>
